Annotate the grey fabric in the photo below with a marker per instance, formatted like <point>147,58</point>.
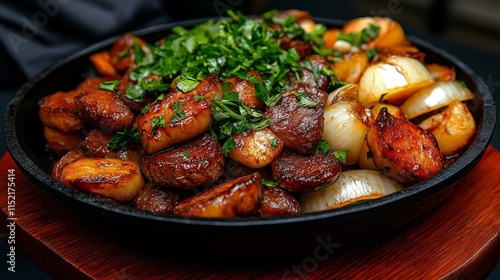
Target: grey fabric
<point>36,33</point>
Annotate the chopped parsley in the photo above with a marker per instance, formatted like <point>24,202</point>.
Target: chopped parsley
<point>341,155</point>
<point>462,83</point>
<point>228,146</point>
<point>322,147</point>
<point>269,183</point>
<point>123,139</point>
<point>156,123</point>
<point>360,38</point>
<point>186,155</point>
<point>273,142</point>
<point>178,114</point>
<point>109,85</point>
<point>305,100</point>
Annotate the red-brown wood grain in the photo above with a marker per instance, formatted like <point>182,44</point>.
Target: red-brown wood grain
<point>459,239</point>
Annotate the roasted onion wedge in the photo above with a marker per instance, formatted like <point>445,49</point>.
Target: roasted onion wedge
<point>346,124</point>
<point>438,95</point>
<point>453,128</point>
<point>351,186</point>
<point>238,197</point>
<point>403,151</point>
<point>118,179</point>
<point>393,80</point>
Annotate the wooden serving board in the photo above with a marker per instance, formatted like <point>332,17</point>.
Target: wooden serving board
<point>459,239</point>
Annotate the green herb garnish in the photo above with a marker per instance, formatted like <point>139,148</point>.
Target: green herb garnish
<point>109,85</point>
<point>156,123</point>
<point>362,37</point>
<point>123,139</point>
<point>322,147</point>
<point>305,100</point>
<point>341,155</point>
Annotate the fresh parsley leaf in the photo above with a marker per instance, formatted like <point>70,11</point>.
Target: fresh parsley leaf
<point>341,155</point>
<point>462,83</point>
<point>197,98</point>
<point>122,139</point>
<point>178,114</point>
<point>138,52</point>
<point>124,53</point>
<point>145,109</point>
<point>156,123</point>
<point>362,37</point>
<point>371,53</point>
<point>135,93</point>
<point>273,142</point>
<point>269,183</point>
<point>109,85</point>
<point>305,100</point>
<point>187,84</point>
<point>228,146</point>
<point>322,147</point>
<point>318,188</point>
<point>186,155</point>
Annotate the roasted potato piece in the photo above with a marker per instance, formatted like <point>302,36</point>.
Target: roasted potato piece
<point>62,142</point>
<point>299,127</point>
<point>390,33</point>
<point>176,118</point>
<point>304,173</point>
<point>256,148</point>
<point>103,109</point>
<point>403,151</point>
<point>61,162</point>
<point>351,67</point>
<point>234,198</point>
<point>118,179</point>
<point>158,199</point>
<point>187,165</point>
<point>57,111</point>
<point>453,128</point>
<point>102,63</point>
<point>246,90</point>
<point>278,202</point>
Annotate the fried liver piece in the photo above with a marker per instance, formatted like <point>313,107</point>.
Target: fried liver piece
<point>304,173</point>
<point>158,199</point>
<point>278,202</point>
<point>187,165</point>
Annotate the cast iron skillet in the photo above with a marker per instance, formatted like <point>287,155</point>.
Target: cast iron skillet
<point>243,237</point>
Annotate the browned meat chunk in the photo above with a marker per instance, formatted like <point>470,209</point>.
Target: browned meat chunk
<point>122,53</point>
<point>304,173</point>
<point>57,111</point>
<point>238,197</point>
<point>187,165</point>
<point>278,202</point>
<point>403,151</point>
<point>299,126</point>
<point>62,142</point>
<point>103,109</point>
<point>310,78</point>
<point>159,199</point>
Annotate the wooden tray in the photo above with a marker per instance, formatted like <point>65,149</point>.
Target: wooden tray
<point>459,239</point>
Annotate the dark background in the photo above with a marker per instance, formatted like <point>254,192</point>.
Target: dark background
<point>468,29</point>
